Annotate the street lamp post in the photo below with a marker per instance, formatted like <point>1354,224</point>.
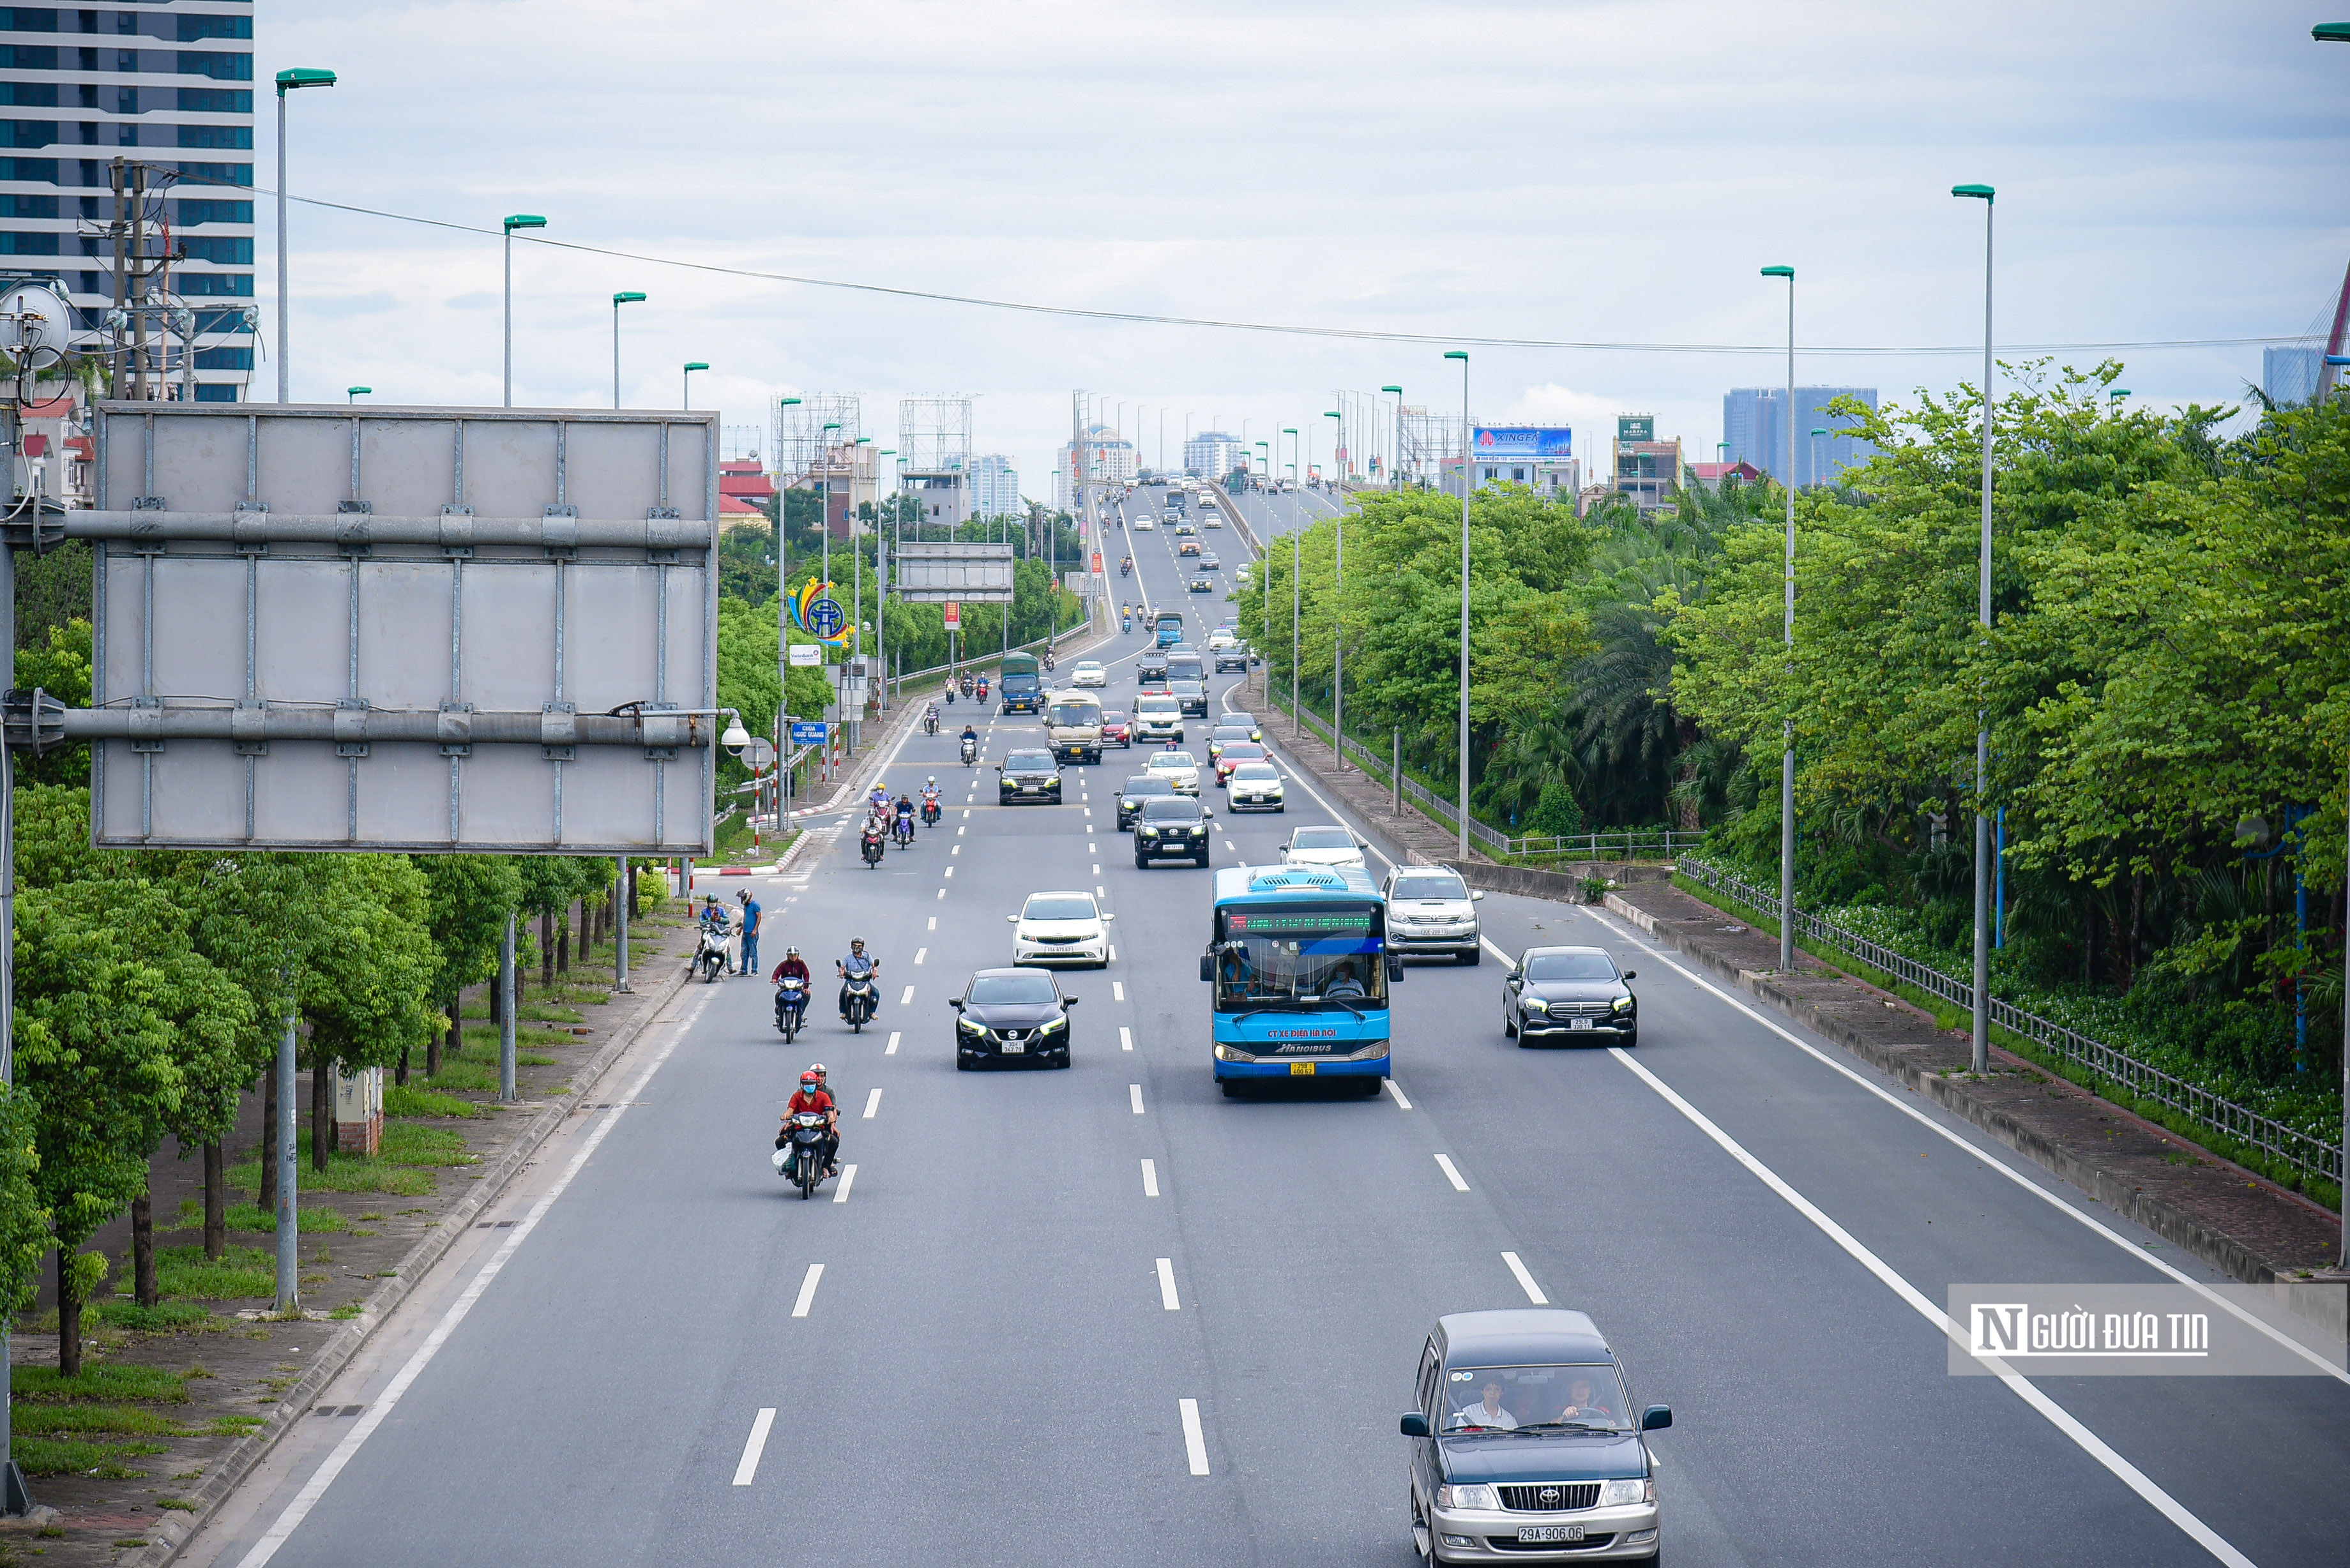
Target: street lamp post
<point>2339,33</point>
<point>1787,729</point>
<point>1984,195</point>
<point>353,394</point>
<point>1395,451</point>
<point>625,298</point>
<point>514,220</point>
<point>1817,434</point>
<point>685,397</point>
<point>1462,800</point>
<point>287,81</point>
<point>1339,617</point>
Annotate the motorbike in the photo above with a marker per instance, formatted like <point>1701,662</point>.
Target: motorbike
<point>950,696</point>
<point>790,1006</point>
<point>1126,568</point>
<point>982,690</point>
<point>903,832</point>
<point>930,811</point>
<point>870,847</point>
<point>710,953</point>
<point>969,751</point>
<point>859,1000</point>
<point>1126,625</point>
<point>800,1159</point>
<point>929,723</point>
<point>1048,662</point>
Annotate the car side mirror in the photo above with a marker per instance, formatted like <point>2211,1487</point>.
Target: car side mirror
<point>1515,974</point>
<point>955,1002</point>
<point>1071,1001</point>
<point>1395,969</point>
<point>1013,919</point>
<point>1478,897</point>
<point>1414,1425</point>
<point>1631,974</point>
<point>1208,966</point>
<point>1207,816</point>
<point>1655,1418</point>
<point>1110,917</point>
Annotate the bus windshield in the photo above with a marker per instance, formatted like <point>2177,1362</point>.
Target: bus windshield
<point>1290,957</point>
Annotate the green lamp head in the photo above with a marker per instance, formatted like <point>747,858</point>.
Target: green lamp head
<point>524,221</point>
<point>1786,272</point>
<point>630,297</point>
<point>303,76</point>
<point>1979,192</point>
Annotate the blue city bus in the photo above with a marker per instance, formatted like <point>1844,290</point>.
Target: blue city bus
<point>1298,958</point>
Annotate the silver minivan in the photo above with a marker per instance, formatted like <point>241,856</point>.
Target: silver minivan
<point>1431,910</point>
<point>1158,717</point>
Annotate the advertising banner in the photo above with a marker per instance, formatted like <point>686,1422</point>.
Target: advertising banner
<point>1523,441</point>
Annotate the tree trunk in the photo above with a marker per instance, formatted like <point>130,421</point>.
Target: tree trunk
<point>2137,925</point>
<point>216,1202</point>
<point>69,1317</point>
<point>632,889</point>
<point>400,1073</point>
<point>546,949</point>
<point>433,1046</point>
<point>322,1110</point>
<point>143,1289</point>
<point>563,941</point>
<point>266,1194</point>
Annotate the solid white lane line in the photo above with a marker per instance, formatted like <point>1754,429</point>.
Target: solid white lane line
<point>1195,1441</point>
<point>373,1416</point>
<point>891,1049</point>
<point>2022,1387</point>
<point>921,953</point>
<point>848,1176</point>
<point>1395,1093</point>
<point>1134,1098</point>
<point>1125,1038</point>
<point>872,1102</point>
<point>808,1289</point>
<point>754,1446</point>
<point>1451,1175</point>
<point>1117,990</point>
<point>1150,1179</point>
<point>1534,1291</point>
<point>2000,1166</point>
<point>1167,1297</point>
<point>906,1000</point>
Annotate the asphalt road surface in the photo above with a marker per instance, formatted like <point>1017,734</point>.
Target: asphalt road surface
<point>1107,1315</point>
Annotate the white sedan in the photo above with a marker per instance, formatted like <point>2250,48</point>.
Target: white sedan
<point>1221,639</point>
<point>1181,770</point>
<point>1332,846</point>
<point>1143,525</point>
<point>1089,672</point>
<point>1061,928</point>
<point>1256,787</point>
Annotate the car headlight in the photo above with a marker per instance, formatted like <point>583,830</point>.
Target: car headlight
<point>1621,1493</point>
<point>1623,1005</point>
<point>1536,1005</point>
<point>1232,1053</point>
<point>971,1026</point>
<point>1468,1497</point>
<point>1055,1025</point>
<point>1147,832</point>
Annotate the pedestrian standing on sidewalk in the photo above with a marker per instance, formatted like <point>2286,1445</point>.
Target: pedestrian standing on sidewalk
<point>750,931</point>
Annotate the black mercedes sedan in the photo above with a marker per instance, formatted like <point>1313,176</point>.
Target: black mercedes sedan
<point>1012,1015</point>
<point>1569,993</point>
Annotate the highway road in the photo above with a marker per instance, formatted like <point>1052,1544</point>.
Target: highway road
<point>1107,1316</point>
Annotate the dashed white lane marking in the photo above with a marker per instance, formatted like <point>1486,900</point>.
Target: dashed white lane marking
<point>808,1289</point>
<point>1099,891</point>
<point>966,812</point>
<point>754,1446</point>
<point>943,892</point>
<point>1092,848</point>
<point>933,925</point>
<point>1230,846</point>
<point>1167,1297</point>
<point>1134,1097</point>
<point>1117,990</point>
<point>1395,1093</point>
<point>961,831</point>
<point>1096,868</point>
<point>1195,1441</point>
<point>1149,1179</point>
<point>906,1000</point>
<point>956,850</point>
<point>1113,956</point>
<point>950,872</point>
<point>921,953</point>
<point>1534,1291</point>
<point>872,1102</point>
<point>1451,1175</point>
<point>891,1049</point>
<point>1125,1038</point>
<point>2024,1389</point>
<point>848,1176</point>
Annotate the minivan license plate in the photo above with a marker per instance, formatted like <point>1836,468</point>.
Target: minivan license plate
<point>1550,1532</point>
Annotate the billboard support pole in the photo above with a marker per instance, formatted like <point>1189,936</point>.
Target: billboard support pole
<point>289,1166</point>
<point>506,1012</point>
<point>621,925</point>
<point>14,1498</point>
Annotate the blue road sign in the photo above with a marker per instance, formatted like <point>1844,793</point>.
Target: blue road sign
<point>807,732</point>
<point>826,618</point>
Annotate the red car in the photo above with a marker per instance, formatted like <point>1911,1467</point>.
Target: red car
<point>1233,754</point>
<point>1117,728</point>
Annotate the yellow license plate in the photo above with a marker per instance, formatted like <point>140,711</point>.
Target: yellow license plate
<point>1301,1069</point>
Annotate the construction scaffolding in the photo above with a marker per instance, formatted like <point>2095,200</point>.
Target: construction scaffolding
<point>802,442</point>
<point>934,434</point>
<point>1428,440</point>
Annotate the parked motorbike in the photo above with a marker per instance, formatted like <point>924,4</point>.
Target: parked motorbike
<point>790,1006</point>
<point>969,752</point>
<point>710,953</point>
<point>860,1002</point>
<point>800,1159</point>
<point>869,846</point>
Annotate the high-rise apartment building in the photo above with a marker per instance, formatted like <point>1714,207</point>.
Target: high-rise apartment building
<point>994,486</point>
<point>1107,457</point>
<point>1212,454</point>
<point>1753,431</point>
<point>2289,375</point>
<point>166,88</point>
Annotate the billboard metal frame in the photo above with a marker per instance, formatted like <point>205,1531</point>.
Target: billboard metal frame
<point>967,572</point>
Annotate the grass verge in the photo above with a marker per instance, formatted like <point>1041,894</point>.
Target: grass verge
<point>401,1100</point>
<point>240,1273</point>
<point>101,1380</point>
<point>67,1457</point>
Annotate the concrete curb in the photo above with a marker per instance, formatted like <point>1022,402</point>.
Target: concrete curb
<point>2320,1304</point>
<point>229,1471</point>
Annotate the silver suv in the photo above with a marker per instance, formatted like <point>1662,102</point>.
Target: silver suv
<point>1431,910</point>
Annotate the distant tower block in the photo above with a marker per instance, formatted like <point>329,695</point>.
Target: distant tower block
<point>934,461</point>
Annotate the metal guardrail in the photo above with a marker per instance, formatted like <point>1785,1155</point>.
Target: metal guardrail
<point>2295,1147</point>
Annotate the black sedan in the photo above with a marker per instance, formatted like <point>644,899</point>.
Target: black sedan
<point>1012,1015</point>
<point>1028,775</point>
<point>1569,993</point>
<point>1141,787</point>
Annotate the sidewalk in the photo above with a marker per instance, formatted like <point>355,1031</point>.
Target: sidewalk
<point>2229,1217</point>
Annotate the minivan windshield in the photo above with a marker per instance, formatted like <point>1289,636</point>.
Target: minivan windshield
<point>1428,886</point>
<point>1570,966</point>
<point>1013,990</point>
<point>1585,1396</point>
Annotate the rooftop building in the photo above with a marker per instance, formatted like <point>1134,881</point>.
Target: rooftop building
<point>1753,431</point>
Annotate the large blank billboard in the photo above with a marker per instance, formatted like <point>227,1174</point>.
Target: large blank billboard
<point>941,573</point>
<point>455,594</point>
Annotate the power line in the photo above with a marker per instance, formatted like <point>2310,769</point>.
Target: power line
<point>1349,334</point>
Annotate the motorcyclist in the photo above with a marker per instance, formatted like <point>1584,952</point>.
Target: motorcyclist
<point>929,797</point>
<point>793,967</point>
<point>904,824</point>
<point>812,1095</point>
<point>970,739</point>
<point>931,719</point>
<point>858,964</point>
<point>717,923</point>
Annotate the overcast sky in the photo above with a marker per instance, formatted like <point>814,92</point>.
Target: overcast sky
<point>1566,171</point>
